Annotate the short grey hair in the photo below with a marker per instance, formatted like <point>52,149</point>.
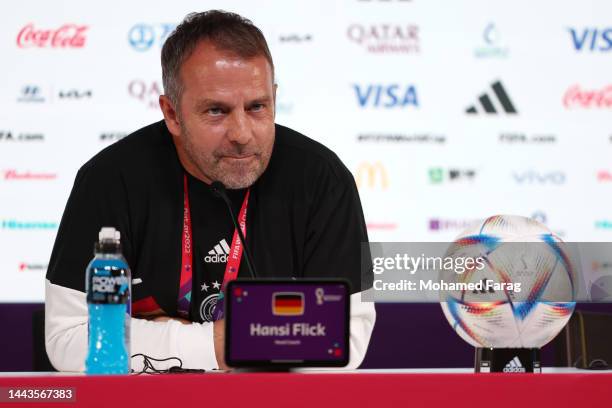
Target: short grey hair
<point>227,31</point>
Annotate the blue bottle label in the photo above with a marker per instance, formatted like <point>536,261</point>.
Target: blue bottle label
<point>109,286</point>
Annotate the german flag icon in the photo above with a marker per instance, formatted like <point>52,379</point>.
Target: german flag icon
<point>287,304</point>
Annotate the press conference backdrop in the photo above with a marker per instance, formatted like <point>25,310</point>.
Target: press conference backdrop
<point>445,111</point>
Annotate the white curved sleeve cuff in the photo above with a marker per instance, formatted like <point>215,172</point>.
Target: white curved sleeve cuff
<point>66,336</point>
<point>363,317</point>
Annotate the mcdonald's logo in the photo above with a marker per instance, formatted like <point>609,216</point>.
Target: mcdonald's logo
<point>372,175</point>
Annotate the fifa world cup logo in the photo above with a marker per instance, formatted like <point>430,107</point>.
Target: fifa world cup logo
<point>319,293</point>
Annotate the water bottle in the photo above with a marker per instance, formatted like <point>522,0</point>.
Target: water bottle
<point>108,286</point>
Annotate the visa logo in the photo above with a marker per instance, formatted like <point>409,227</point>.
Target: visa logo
<point>386,96</point>
<point>534,177</point>
<point>593,39</point>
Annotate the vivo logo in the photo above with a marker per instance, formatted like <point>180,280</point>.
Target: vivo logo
<point>386,96</point>
<point>535,177</point>
<point>592,39</point>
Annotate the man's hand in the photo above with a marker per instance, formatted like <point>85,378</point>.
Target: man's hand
<point>218,337</point>
<point>219,340</point>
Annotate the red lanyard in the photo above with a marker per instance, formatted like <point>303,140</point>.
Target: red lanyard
<point>233,258</point>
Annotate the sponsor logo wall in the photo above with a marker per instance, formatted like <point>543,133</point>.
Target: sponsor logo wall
<point>443,118</point>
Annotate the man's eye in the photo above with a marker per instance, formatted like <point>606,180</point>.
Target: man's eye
<point>215,111</point>
<point>257,107</point>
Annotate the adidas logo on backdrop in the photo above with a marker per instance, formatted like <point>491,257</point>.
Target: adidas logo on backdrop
<point>514,366</point>
<point>219,253</point>
<point>487,102</point>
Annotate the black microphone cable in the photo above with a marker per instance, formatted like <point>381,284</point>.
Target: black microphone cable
<point>218,190</point>
<point>149,366</point>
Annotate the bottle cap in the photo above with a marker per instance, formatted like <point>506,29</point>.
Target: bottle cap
<point>109,234</point>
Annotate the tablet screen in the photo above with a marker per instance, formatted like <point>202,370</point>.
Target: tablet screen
<point>293,323</point>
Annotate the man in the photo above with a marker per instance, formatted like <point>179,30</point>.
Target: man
<point>302,210</point>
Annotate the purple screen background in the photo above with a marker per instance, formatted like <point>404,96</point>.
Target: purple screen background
<point>256,307</point>
<point>405,336</point>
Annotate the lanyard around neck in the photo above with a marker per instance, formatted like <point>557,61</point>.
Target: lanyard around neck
<point>233,258</point>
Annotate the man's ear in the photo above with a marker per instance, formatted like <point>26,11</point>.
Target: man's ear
<point>274,97</point>
<point>170,115</point>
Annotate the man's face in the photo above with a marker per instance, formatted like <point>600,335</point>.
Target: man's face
<point>226,116</point>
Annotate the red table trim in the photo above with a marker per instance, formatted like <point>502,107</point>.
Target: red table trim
<point>380,390</point>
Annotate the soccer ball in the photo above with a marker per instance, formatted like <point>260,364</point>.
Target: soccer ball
<point>520,294</point>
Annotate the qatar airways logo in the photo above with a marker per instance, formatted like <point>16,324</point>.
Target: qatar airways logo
<point>386,38</point>
<point>65,36</point>
<point>575,97</point>
<point>14,175</point>
<point>147,92</point>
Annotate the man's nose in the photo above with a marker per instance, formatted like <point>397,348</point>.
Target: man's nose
<point>239,130</point>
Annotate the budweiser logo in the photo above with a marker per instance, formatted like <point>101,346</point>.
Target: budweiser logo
<point>67,36</point>
<point>576,97</point>
<point>23,266</point>
<point>604,176</point>
<point>15,175</point>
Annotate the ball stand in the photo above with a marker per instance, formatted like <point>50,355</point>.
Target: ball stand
<point>507,360</point>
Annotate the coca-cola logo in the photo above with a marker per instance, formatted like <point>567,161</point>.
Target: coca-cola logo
<point>575,97</point>
<point>66,36</point>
